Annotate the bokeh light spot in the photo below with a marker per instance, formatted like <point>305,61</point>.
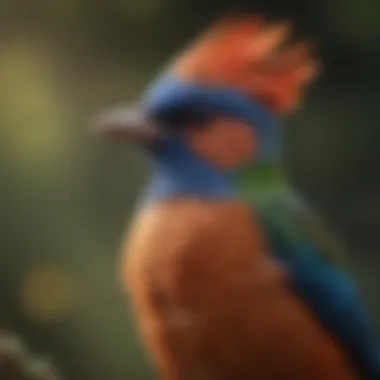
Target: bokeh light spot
<point>49,293</point>
<point>33,117</point>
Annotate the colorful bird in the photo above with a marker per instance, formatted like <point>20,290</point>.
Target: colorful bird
<point>216,293</point>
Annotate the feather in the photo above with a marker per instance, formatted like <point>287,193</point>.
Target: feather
<point>250,55</point>
<point>210,304</point>
<point>211,299</point>
<point>316,261</point>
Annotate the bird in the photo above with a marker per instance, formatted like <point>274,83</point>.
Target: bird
<point>212,297</point>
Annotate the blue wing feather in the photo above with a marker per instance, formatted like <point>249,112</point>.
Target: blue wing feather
<point>326,289</point>
<point>315,263</point>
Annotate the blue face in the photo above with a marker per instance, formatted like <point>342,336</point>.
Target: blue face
<point>170,96</point>
<point>179,172</point>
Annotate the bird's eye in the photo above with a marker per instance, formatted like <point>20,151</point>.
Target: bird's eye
<point>180,120</point>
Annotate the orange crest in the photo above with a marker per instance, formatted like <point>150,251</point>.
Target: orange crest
<point>253,56</point>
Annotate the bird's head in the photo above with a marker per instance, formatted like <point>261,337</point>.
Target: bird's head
<point>223,95</point>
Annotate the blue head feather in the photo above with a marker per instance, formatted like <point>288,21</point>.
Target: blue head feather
<point>170,96</point>
<point>178,171</point>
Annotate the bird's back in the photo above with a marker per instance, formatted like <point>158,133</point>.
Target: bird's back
<point>212,305</point>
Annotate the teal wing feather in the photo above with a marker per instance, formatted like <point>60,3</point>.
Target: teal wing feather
<point>288,222</point>
<point>315,260</point>
<point>292,227</point>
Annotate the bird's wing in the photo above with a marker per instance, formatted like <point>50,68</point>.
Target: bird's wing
<point>288,221</point>
<point>316,261</point>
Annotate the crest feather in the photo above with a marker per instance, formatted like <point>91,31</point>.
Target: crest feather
<point>250,55</point>
<point>221,53</point>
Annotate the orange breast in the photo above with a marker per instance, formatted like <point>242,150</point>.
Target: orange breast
<point>212,305</point>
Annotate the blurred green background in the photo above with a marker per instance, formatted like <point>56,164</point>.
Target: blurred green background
<point>66,197</point>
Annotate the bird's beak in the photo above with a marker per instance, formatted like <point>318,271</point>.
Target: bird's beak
<point>128,123</point>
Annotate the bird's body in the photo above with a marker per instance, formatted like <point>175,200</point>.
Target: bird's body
<point>210,299</point>
<point>219,291</point>
<point>201,322</point>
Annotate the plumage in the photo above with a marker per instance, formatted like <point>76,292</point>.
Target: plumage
<point>213,280</point>
<point>210,303</point>
<point>316,262</point>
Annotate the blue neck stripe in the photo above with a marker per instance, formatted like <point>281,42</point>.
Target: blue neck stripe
<point>178,172</point>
